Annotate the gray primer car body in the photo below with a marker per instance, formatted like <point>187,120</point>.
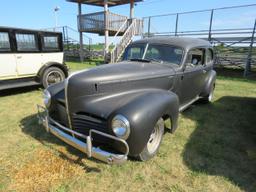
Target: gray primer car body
<point>143,92</point>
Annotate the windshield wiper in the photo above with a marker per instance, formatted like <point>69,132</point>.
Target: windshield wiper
<point>147,60</point>
<point>140,60</point>
<point>157,60</point>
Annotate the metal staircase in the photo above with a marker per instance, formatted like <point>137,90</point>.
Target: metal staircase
<point>135,28</point>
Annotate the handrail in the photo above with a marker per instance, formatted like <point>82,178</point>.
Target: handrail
<point>200,11</point>
<point>119,30</point>
<point>124,35</point>
<point>115,55</point>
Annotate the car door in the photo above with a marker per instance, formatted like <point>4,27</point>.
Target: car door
<point>28,56</point>
<point>7,57</point>
<point>192,79</point>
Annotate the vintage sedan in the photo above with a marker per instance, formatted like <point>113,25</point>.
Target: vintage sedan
<point>30,57</point>
<point>119,110</point>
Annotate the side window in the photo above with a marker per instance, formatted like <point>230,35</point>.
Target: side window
<point>50,43</point>
<point>208,56</point>
<point>26,42</point>
<point>4,42</point>
<point>196,57</point>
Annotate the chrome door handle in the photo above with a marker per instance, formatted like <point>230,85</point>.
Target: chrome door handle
<point>204,71</point>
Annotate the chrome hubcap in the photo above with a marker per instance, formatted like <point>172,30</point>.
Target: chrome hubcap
<point>211,95</point>
<point>54,77</point>
<point>154,140</point>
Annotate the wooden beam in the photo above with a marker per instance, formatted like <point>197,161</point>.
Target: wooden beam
<point>101,2</point>
<point>106,51</point>
<point>131,9</point>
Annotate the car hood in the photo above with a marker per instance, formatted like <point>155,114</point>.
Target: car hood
<point>117,77</point>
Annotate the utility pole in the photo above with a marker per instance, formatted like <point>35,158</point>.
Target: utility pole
<point>210,26</point>
<point>56,9</point>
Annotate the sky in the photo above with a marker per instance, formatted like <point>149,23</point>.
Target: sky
<point>39,14</point>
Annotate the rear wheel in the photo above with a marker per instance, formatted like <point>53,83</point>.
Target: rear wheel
<point>209,97</point>
<point>51,76</point>
<point>154,142</point>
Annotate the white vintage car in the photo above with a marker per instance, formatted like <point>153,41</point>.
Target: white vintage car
<point>29,57</point>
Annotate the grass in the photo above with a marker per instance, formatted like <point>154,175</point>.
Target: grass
<point>75,66</point>
<point>213,149</point>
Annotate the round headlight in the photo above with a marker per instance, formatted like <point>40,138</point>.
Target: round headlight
<point>47,98</point>
<point>121,126</point>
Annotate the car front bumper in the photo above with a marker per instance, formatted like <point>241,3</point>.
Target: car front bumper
<point>60,131</point>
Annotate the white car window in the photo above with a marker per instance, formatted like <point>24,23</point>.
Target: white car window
<point>4,41</point>
<point>50,42</point>
<point>26,42</point>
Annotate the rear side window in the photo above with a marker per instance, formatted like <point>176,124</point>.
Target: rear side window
<point>50,43</point>
<point>26,42</point>
<point>196,57</point>
<point>4,42</point>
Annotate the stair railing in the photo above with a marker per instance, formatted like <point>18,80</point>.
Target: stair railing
<point>119,48</point>
<point>123,27</point>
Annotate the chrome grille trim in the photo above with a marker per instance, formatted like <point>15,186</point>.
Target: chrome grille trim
<point>67,106</point>
<point>66,98</point>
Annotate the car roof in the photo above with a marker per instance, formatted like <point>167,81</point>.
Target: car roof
<point>184,42</point>
<point>28,30</point>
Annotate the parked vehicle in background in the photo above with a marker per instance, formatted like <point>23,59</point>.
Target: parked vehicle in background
<point>117,110</point>
<point>29,57</point>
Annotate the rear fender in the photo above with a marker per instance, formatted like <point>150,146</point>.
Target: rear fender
<point>63,67</point>
<point>209,82</point>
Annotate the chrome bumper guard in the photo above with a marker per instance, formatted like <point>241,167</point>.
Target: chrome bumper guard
<point>57,129</point>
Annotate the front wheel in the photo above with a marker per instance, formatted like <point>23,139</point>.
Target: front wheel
<point>51,76</point>
<point>154,142</point>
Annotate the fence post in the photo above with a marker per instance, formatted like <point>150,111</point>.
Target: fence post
<point>149,23</point>
<point>90,48</point>
<point>177,23</point>
<point>63,32</point>
<point>67,38</point>
<point>249,58</point>
<point>81,49</point>
<point>210,27</point>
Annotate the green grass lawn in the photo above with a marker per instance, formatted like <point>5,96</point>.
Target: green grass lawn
<point>76,66</point>
<point>213,149</point>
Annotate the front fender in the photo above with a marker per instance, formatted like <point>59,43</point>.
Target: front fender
<point>144,111</point>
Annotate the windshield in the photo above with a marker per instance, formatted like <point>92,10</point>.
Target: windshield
<point>154,52</point>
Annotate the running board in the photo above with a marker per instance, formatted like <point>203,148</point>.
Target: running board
<point>183,107</point>
<point>10,84</point>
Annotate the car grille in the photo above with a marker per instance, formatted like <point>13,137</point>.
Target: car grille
<point>83,123</point>
<point>58,113</point>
